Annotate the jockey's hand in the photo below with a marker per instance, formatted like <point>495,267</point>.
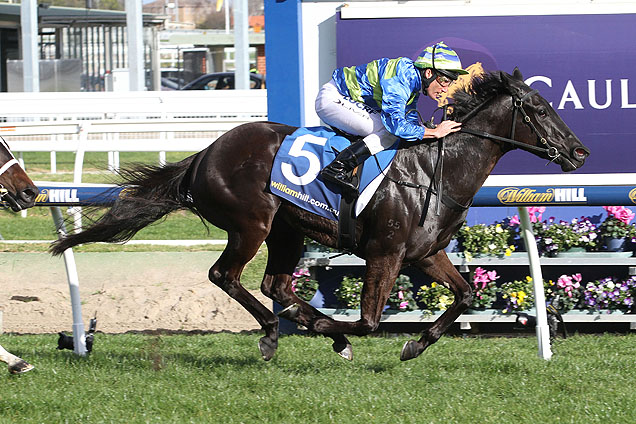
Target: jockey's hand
<point>443,129</point>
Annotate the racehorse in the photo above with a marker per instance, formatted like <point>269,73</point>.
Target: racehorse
<point>18,191</point>
<point>227,185</point>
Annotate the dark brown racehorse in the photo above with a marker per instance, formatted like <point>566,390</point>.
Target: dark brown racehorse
<point>18,191</point>
<point>227,185</point>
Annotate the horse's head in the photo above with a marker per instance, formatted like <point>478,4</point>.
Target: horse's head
<point>537,124</point>
<point>16,188</point>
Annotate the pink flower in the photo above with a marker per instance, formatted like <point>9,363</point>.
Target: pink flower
<point>400,295</point>
<point>620,212</point>
<point>403,305</point>
<point>569,283</point>
<point>532,210</point>
<point>484,277</point>
<point>492,275</point>
<point>564,281</point>
<point>515,220</point>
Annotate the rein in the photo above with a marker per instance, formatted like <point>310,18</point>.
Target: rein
<point>517,103</point>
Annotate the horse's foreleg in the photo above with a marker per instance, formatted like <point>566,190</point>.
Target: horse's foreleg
<point>278,288</point>
<point>226,272</point>
<point>379,279</point>
<point>284,247</point>
<point>16,365</point>
<point>440,268</point>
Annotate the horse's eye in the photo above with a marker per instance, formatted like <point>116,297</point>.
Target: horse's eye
<point>542,113</point>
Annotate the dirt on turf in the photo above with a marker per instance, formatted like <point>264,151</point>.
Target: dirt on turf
<point>131,291</point>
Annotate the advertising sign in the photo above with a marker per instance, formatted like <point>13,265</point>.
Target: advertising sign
<point>584,65</point>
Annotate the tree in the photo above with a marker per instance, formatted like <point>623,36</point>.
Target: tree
<point>95,4</point>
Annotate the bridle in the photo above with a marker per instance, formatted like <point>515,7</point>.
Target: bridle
<point>517,103</point>
<point>436,180</point>
<point>4,168</point>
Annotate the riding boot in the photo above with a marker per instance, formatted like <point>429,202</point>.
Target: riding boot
<point>337,172</point>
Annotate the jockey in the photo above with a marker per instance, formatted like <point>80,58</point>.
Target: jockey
<point>373,101</point>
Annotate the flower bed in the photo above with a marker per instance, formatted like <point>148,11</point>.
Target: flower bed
<point>567,293</point>
<point>553,236</point>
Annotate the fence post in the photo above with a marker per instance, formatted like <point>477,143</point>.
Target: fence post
<point>82,131</point>
<point>543,331</point>
<point>79,337</point>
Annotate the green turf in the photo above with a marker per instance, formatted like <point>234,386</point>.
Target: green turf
<point>220,378</point>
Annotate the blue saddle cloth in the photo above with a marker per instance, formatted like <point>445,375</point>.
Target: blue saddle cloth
<point>299,160</point>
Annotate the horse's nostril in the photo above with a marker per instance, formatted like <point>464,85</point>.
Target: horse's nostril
<point>581,152</point>
<point>28,194</point>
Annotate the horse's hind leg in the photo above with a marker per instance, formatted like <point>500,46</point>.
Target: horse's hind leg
<point>226,273</point>
<point>16,365</point>
<point>284,246</point>
<point>440,268</point>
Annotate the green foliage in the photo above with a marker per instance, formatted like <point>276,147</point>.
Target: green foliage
<point>97,4</point>
<point>348,294</point>
<point>518,295</point>
<point>562,236</point>
<point>615,228</point>
<point>494,239</point>
<point>484,288</point>
<point>221,378</point>
<point>401,297</point>
<point>435,297</point>
<point>564,294</point>
<point>303,285</point>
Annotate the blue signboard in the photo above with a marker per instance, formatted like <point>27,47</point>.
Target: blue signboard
<point>81,195</point>
<point>556,196</point>
<point>585,65</point>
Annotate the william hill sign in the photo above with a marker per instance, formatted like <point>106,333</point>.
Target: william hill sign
<point>529,195</point>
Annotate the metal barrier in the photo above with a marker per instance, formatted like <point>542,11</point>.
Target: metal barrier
<point>619,190</point>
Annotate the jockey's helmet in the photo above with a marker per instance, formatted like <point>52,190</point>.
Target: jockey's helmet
<point>442,59</point>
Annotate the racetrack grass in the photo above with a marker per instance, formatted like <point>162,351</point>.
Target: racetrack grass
<point>220,378</point>
<point>38,225</point>
<point>40,162</point>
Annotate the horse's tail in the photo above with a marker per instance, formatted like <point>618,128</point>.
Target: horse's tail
<point>150,192</point>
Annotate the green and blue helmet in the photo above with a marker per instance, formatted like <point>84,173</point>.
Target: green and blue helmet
<point>442,59</point>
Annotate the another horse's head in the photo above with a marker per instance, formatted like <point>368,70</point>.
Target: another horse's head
<point>534,122</point>
<point>16,188</point>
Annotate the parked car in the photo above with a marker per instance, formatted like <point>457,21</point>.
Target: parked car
<point>168,84</point>
<point>222,81</point>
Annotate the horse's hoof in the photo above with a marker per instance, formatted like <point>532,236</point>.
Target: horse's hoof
<point>290,312</point>
<point>410,350</point>
<point>344,350</point>
<point>20,367</point>
<point>267,347</point>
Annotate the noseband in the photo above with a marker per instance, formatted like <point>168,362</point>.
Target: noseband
<point>517,103</point>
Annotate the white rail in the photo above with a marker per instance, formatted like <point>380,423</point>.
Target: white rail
<point>124,122</point>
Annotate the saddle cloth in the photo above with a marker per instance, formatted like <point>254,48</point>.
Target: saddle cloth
<point>299,160</point>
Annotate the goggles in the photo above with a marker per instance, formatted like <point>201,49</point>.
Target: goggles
<point>444,81</point>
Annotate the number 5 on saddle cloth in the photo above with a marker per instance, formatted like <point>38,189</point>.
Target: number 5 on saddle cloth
<point>295,174</point>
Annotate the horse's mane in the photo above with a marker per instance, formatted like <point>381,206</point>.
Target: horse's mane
<point>479,90</point>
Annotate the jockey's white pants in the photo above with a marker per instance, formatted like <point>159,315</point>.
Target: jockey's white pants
<point>352,117</point>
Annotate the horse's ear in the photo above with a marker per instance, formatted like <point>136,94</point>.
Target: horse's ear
<point>505,78</point>
<point>517,74</point>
